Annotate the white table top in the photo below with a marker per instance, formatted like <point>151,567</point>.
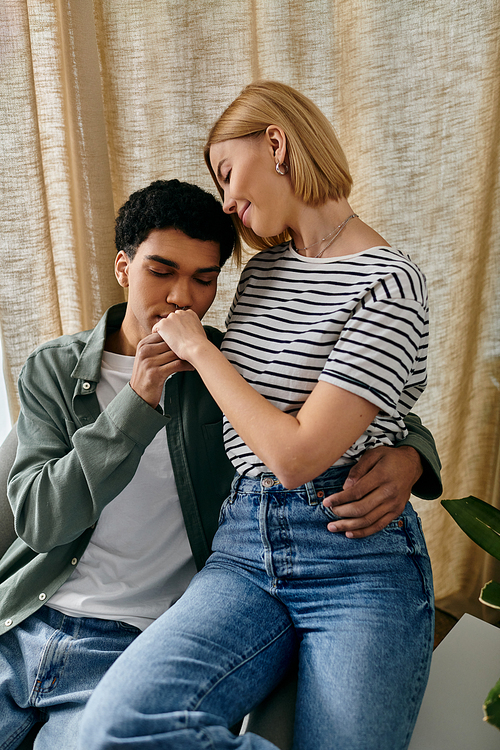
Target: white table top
<point>465,666</point>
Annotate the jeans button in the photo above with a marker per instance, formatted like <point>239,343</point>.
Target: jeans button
<point>267,482</point>
<point>320,493</point>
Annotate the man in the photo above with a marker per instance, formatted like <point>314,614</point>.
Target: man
<point>120,472</point>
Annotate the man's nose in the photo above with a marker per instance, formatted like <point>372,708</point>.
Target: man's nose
<point>180,295</point>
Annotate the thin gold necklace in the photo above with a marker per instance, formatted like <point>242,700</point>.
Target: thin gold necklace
<point>337,231</point>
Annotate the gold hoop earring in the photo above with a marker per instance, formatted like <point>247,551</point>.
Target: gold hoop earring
<point>283,164</point>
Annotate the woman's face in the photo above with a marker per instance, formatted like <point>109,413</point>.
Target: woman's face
<point>246,171</point>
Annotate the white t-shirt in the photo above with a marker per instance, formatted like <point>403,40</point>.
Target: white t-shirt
<point>138,561</point>
<point>359,322</point>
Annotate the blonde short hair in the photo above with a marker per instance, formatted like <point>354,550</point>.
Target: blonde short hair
<point>318,168</point>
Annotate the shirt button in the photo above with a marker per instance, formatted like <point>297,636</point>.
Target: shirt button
<point>400,523</point>
<point>42,597</point>
<point>74,561</point>
<point>86,386</point>
<point>8,623</point>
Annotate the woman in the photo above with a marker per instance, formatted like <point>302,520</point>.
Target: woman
<point>324,355</point>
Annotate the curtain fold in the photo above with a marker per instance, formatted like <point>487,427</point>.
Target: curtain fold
<point>57,208</point>
<point>99,98</point>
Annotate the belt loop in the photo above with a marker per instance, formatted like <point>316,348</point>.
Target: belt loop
<point>236,483</point>
<point>312,497</point>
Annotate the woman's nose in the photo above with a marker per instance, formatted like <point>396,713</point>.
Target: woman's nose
<point>229,205</point>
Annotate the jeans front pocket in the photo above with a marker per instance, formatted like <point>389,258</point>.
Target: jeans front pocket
<point>328,484</point>
<point>223,507</point>
<point>128,628</point>
<point>328,512</point>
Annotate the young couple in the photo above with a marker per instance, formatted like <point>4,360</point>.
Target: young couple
<point>323,359</point>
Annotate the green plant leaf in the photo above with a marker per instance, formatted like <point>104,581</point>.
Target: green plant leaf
<point>479,520</point>
<point>490,594</point>
<point>491,706</point>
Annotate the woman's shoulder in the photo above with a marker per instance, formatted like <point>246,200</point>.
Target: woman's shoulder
<point>397,269</point>
<point>389,257</point>
<point>387,253</point>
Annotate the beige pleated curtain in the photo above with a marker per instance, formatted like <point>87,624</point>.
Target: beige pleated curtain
<point>99,98</point>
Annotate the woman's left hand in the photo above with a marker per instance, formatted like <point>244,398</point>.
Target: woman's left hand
<point>182,331</point>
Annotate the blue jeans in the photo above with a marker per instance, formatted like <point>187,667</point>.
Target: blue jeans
<point>49,665</point>
<point>359,613</point>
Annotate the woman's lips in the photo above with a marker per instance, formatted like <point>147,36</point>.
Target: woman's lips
<point>243,214</point>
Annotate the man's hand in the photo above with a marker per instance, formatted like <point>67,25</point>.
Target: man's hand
<point>375,492</point>
<point>182,330</point>
<point>154,362</point>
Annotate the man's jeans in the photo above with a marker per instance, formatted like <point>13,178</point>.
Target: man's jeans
<point>49,665</point>
<point>359,612</point>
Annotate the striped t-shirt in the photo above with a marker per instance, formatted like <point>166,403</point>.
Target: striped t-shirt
<point>359,322</point>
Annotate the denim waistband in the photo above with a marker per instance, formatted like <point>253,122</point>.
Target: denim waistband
<point>268,482</point>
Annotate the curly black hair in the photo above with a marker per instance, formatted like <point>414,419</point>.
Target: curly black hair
<point>166,204</point>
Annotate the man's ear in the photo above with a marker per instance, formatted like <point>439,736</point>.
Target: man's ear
<point>122,264</point>
<point>277,139</point>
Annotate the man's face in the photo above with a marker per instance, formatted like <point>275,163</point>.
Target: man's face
<point>169,271</point>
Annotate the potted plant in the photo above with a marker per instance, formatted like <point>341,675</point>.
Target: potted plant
<point>481,522</point>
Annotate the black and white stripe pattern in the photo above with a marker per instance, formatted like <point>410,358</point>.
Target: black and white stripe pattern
<point>359,322</point>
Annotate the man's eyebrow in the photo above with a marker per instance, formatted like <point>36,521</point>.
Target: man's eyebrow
<point>165,261</point>
<point>173,264</point>
<point>210,269</point>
